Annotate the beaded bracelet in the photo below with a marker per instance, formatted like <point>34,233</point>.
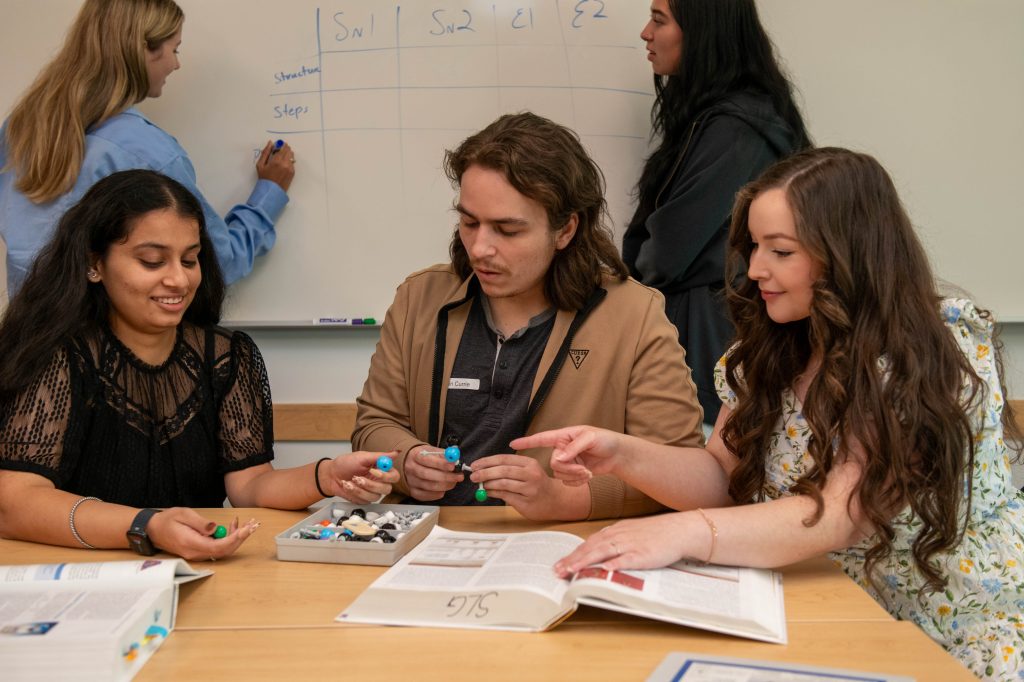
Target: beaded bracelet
<point>714,535</point>
<point>71,521</point>
<point>316,476</point>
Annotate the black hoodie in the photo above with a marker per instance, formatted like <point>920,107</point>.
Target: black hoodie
<point>680,247</point>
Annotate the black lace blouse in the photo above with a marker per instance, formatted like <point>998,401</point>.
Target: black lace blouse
<point>99,421</point>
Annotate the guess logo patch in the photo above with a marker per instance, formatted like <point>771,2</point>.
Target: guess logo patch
<point>578,356</point>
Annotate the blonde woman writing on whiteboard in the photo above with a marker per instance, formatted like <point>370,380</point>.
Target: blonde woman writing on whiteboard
<point>724,112</point>
<point>864,417</point>
<point>77,123</point>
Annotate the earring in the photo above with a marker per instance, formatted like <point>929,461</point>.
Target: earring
<point>92,274</point>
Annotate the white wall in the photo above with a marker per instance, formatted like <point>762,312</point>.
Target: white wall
<point>935,90</point>
<point>315,366</point>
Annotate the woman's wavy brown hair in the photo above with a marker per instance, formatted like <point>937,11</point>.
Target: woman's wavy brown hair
<point>875,299</point>
<point>545,161</point>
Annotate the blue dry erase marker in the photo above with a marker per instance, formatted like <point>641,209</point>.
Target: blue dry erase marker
<point>276,148</point>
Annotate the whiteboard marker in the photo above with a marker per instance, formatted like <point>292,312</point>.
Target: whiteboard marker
<point>346,321</point>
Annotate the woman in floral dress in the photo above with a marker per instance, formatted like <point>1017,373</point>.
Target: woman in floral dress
<point>863,417</point>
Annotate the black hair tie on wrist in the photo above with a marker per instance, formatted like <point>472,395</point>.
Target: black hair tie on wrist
<point>316,476</point>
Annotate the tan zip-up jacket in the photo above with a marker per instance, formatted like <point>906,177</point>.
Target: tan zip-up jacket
<point>624,370</point>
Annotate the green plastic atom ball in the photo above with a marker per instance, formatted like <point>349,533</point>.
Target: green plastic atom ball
<point>220,532</point>
<point>481,495</point>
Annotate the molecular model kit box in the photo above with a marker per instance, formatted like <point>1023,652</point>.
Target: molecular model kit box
<point>348,533</point>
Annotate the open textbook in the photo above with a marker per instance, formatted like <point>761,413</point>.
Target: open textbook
<point>87,621</point>
<point>506,582</point>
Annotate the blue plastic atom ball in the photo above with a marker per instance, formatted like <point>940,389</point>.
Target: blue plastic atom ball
<point>452,453</point>
<point>384,463</point>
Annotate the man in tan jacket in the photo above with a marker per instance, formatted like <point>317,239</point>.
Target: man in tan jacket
<point>533,325</point>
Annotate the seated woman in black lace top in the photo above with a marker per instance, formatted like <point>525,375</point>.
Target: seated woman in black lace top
<point>117,390</point>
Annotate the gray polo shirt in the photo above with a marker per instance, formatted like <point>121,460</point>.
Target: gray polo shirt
<point>489,390</point>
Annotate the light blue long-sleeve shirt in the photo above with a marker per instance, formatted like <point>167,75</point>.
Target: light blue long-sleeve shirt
<point>130,140</point>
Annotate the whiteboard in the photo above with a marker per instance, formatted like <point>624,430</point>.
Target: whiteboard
<point>370,93</point>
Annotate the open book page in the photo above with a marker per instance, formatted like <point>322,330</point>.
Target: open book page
<point>87,620</point>
<point>88,599</point>
<point>476,580</point>
<point>738,601</point>
<point>85,629</point>
<point>77,611</point>
<point>152,571</point>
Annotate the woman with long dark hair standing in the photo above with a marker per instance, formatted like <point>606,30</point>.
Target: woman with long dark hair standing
<point>724,112</point>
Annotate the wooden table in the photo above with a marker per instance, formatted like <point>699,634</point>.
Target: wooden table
<point>628,650</point>
<point>259,618</point>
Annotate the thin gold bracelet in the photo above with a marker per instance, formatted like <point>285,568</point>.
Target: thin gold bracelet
<point>714,535</point>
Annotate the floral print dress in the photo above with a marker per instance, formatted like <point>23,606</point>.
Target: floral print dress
<point>978,617</point>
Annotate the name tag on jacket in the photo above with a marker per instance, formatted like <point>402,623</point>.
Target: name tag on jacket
<point>463,384</point>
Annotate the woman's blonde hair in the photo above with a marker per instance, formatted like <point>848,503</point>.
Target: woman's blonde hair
<point>100,71</point>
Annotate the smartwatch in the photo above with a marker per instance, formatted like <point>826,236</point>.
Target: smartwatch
<point>138,540</point>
